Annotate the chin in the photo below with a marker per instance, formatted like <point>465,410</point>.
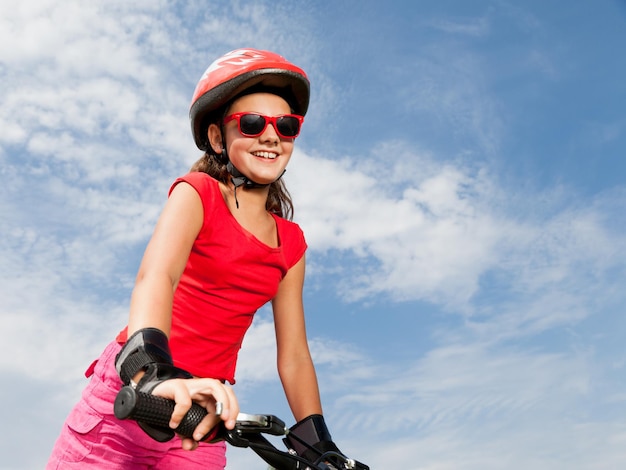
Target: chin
<point>265,181</point>
<point>264,178</point>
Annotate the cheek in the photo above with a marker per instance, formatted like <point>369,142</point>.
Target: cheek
<point>287,154</point>
<point>237,145</point>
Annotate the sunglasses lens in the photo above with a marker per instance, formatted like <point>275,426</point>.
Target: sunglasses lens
<point>251,124</point>
<point>288,126</point>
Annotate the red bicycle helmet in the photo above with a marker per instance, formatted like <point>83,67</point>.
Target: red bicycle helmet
<point>233,74</point>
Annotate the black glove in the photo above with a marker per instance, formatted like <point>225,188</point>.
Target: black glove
<point>310,439</point>
<point>148,350</point>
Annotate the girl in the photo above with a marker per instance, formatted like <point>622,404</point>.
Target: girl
<point>221,249</point>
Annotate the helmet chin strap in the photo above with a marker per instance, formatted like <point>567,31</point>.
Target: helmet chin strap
<point>239,179</point>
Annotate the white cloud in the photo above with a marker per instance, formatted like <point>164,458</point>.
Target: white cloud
<point>478,406</point>
<point>469,383</point>
<point>428,230</point>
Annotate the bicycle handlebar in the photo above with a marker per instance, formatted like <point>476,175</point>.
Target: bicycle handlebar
<point>157,411</point>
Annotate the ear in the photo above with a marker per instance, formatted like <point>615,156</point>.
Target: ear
<point>214,134</point>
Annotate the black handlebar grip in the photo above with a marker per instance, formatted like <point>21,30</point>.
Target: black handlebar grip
<point>154,410</point>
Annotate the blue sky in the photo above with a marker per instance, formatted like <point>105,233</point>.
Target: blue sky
<point>460,179</point>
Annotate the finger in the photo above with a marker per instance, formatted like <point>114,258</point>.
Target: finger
<point>230,415</point>
<point>189,444</point>
<point>206,387</point>
<point>183,404</point>
<point>225,404</point>
<point>210,393</point>
<point>176,390</point>
<point>205,426</point>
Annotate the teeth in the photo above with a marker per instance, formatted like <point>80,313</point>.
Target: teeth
<point>268,155</point>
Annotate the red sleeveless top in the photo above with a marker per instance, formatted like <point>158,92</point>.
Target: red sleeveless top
<point>229,275</point>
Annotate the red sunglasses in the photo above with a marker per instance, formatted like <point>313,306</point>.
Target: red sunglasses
<point>287,126</point>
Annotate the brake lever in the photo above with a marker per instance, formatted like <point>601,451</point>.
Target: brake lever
<point>254,426</point>
<point>267,424</point>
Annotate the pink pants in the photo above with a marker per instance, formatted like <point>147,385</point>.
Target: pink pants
<point>92,437</point>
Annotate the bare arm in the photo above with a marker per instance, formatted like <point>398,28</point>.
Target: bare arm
<point>165,259</point>
<point>295,366</point>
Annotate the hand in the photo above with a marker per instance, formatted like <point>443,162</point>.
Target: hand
<point>206,393</point>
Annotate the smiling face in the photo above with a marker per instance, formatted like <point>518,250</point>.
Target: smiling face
<point>262,158</point>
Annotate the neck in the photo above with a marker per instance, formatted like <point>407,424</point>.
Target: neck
<point>247,199</point>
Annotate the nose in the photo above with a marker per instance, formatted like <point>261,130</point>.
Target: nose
<point>270,134</point>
